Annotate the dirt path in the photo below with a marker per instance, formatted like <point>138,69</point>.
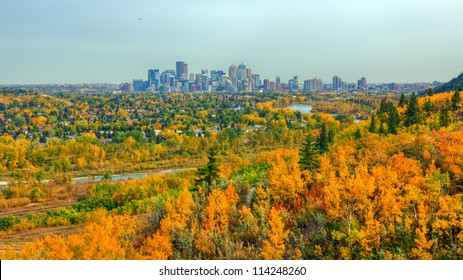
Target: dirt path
<point>35,207</point>
<point>17,241</point>
<point>250,195</point>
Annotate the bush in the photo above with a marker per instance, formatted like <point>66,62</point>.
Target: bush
<point>7,222</point>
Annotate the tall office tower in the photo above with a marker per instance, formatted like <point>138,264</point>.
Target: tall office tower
<point>241,72</point>
<point>267,84</point>
<point>232,73</point>
<point>214,76</point>
<point>154,77</point>
<point>296,82</point>
<point>165,76</point>
<point>337,83</point>
<point>199,82</point>
<point>250,79</point>
<point>257,82</point>
<point>291,83</point>
<point>362,83</point>
<point>172,81</point>
<point>192,78</point>
<point>319,84</point>
<point>313,85</point>
<point>277,80</point>
<point>181,70</point>
<point>204,79</point>
<point>306,85</point>
<point>184,75</point>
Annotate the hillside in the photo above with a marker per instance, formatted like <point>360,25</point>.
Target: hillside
<point>452,85</point>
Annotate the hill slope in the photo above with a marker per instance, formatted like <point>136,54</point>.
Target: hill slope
<point>454,84</point>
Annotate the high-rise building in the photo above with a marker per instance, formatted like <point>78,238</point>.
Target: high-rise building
<point>181,70</point>
<point>296,82</point>
<point>257,82</point>
<point>138,85</point>
<point>154,77</point>
<point>277,80</point>
<point>337,83</point>
<point>306,85</point>
<point>241,72</point>
<point>313,85</point>
<point>232,73</point>
<point>267,84</point>
<point>165,76</point>
<point>362,83</point>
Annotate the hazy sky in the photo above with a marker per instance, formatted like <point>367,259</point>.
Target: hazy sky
<point>71,41</point>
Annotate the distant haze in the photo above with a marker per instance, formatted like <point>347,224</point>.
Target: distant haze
<point>73,41</point>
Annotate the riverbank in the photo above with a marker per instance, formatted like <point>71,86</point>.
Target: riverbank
<point>118,177</point>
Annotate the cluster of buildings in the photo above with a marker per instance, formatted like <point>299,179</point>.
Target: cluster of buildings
<point>241,78</point>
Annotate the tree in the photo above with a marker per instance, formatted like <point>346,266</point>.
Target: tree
<point>430,92</point>
<point>456,100</point>
<point>412,114</point>
<point>309,155</point>
<point>274,247</point>
<point>372,127</point>
<point>393,119</point>
<point>444,117</point>
<point>324,139</point>
<point>210,172</point>
<point>402,100</point>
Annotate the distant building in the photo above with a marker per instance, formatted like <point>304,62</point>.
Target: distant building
<point>181,72</point>
<point>232,72</point>
<point>267,84</point>
<point>362,83</point>
<point>337,83</point>
<point>257,82</point>
<point>154,77</point>
<point>138,85</point>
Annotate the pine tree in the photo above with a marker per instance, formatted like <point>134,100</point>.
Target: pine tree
<point>210,172</point>
<point>456,100</point>
<point>393,119</point>
<point>309,155</point>
<point>412,114</point>
<point>402,100</point>
<point>323,140</point>
<point>428,107</point>
<point>430,92</point>
<point>444,117</point>
<point>372,127</point>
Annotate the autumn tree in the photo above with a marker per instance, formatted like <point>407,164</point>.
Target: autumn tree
<point>274,246</point>
<point>456,100</point>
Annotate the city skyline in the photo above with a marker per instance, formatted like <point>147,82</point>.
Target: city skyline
<point>115,41</point>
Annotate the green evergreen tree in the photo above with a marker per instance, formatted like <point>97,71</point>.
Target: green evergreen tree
<point>323,140</point>
<point>428,107</point>
<point>358,133</point>
<point>430,92</point>
<point>456,100</point>
<point>412,114</point>
<point>372,127</point>
<point>402,100</point>
<point>381,128</point>
<point>309,154</point>
<point>444,117</point>
<point>210,172</point>
<point>393,119</point>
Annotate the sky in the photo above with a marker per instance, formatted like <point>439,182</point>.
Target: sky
<point>76,41</point>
